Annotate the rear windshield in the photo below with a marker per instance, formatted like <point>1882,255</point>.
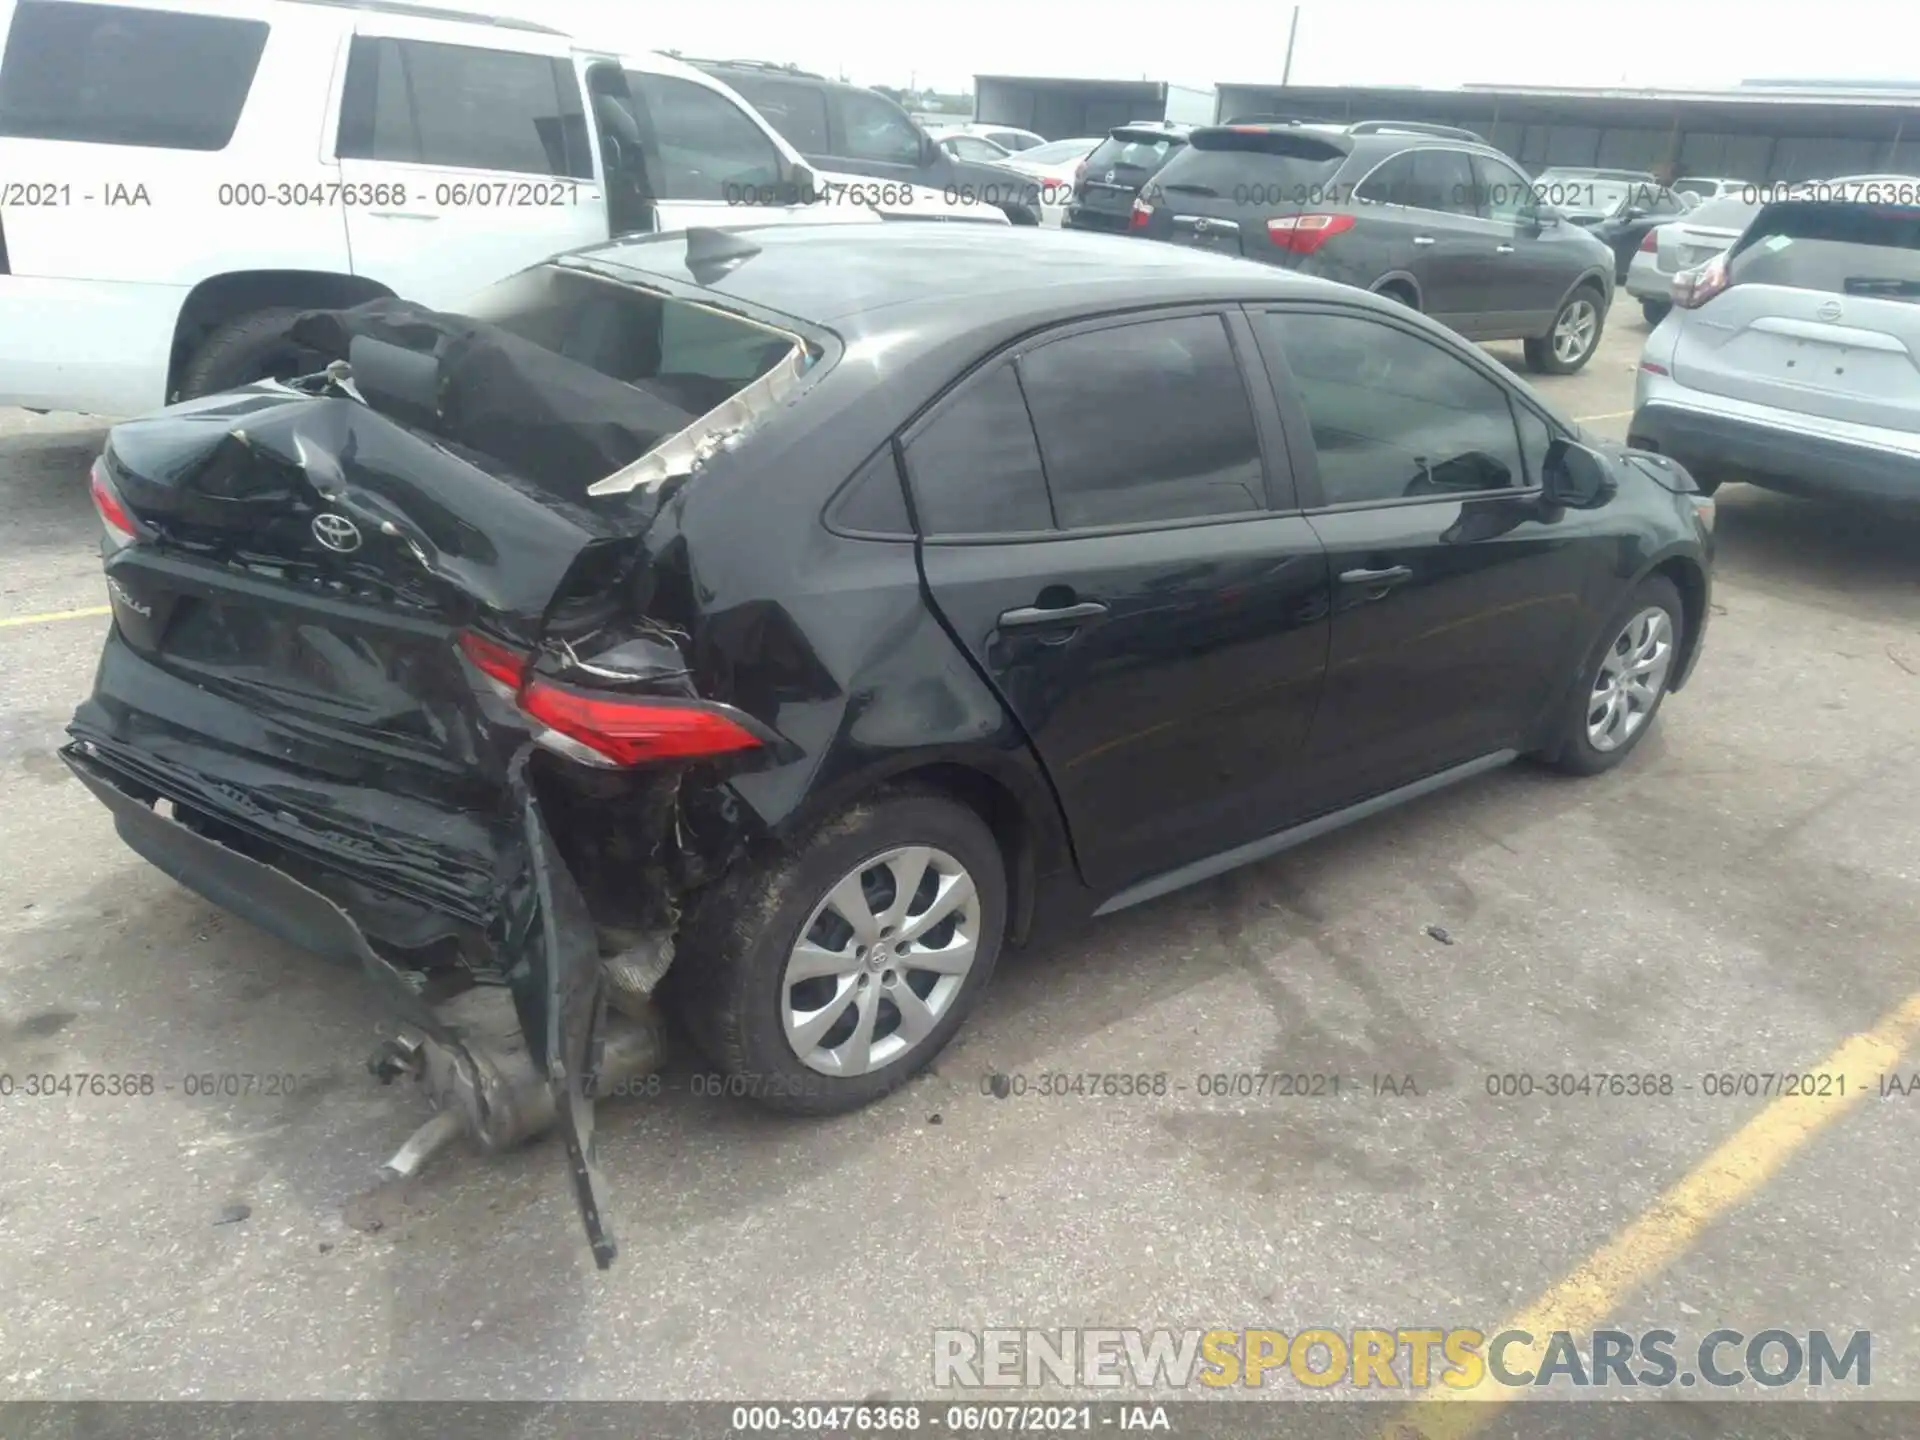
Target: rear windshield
<point>1134,155</point>
<point>1729,212</point>
<point>1867,250</point>
<point>113,75</point>
<point>1255,168</point>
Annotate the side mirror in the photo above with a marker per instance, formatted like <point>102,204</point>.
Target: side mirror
<point>1576,477</point>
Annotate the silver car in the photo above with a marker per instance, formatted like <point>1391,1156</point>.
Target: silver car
<point>1682,244</point>
<point>1792,360</point>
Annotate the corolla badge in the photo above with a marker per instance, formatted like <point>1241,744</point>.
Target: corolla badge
<point>1829,310</point>
<point>336,532</point>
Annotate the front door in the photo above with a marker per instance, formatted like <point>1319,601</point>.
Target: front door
<point>1456,598</point>
<point>473,160</point>
<point>1098,536</point>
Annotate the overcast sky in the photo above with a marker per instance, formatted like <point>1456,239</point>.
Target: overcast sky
<point>1444,42</point>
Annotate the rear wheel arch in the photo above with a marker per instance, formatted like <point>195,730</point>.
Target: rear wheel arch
<point>1403,288</point>
<point>220,300</point>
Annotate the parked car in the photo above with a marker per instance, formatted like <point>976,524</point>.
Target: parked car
<point>1106,183</point>
<point>965,145</point>
<point>1790,360</point>
<point>1010,138</point>
<point>849,130</point>
<point>1055,165</point>
<point>184,178</point>
<point>782,624</point>
<point>1702,187</point>
<point>1448,226</point>
<point>1616,211</point>
<point>1682,244</point>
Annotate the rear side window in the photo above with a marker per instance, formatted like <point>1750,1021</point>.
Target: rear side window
<point>798,112</point>
<point>975,470</point>
<point>464,107</point>
<point>1866,250</point>
<point>1146,422</point>
<point>113,75</point>
<point>1255,168</point>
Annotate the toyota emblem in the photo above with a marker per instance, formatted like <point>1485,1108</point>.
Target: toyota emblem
<point>1830,310</point>
<point>336,532</point>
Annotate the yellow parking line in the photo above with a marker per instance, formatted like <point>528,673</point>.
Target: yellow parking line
<point>1731,1174</point>
<point>1615,415</point>
<point>47,617</point>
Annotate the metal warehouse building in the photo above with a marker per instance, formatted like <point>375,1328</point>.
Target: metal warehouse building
<point>1762,132</point>
<point>1772,130</point>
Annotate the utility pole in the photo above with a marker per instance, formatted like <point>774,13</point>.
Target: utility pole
<point>1293,28</point>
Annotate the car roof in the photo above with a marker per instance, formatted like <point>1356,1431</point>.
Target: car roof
<point>953,277</point>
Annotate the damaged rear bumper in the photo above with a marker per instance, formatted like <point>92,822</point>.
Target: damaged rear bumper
<point>505,1086</point>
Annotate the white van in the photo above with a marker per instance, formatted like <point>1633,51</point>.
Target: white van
<point>180,178</point>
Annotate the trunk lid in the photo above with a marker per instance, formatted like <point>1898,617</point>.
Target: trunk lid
<point>1821,316</point>
<point>1116,170</point>
<point>1222,189</point>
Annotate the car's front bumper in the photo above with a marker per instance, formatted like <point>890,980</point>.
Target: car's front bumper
<point>1719,438</point>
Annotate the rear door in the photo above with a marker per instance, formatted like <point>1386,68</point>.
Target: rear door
<point>1821,316</point>
<point>1458,610</point>
<point>476,156</point>
<point>1411,231</point>
<point>1114,567</point>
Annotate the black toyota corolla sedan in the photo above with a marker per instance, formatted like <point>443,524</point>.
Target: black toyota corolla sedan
<point>777,623</point>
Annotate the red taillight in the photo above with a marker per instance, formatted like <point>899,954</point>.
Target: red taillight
<point>1694,288</point>
<point>1141,214</point>
<point>1304,234</point>
<point>113,512</point>
<point>1649,242</point>
<point>625,729</point>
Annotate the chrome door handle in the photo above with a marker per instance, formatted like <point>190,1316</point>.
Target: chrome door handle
<point>1503,249</point>
<point>1423,240</point>
<point>1055,615</point>
<point>1392,575</point>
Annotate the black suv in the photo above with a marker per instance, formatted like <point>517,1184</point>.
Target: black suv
<point>1108,180</point>
<point>1428,214</point>
<point>843,128</point>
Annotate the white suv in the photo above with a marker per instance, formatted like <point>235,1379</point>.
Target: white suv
<point>179,179</point>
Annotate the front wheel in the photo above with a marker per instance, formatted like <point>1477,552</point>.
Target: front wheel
<point>823,977</point>
<point>1574,337</point>
<point>1624,682</point>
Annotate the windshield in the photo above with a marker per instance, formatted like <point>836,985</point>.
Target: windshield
<point>1866,250</point>
<point>1728,212</point>
<point>1265,169</point>
<point>1133,155</point>
<point>1054,151</point>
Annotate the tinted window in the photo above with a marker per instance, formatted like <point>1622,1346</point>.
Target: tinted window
<point>1728,212</point>
<point>972,147</point>
<point>117,76</point>
<point>872,503</point>
<point>1504,193</point>
<point>1391,183</point>
<point>1259,169</point>
<point>709,148</point>
<point>1131,155</point>
<point>975,469</point>
<point>1394,415</point>
<point>798,112</point>
<point>1865,250</point>
<point>1144,422</point>
<point>1444,179</point>
<point>876,129</point>
<point>462,106</point>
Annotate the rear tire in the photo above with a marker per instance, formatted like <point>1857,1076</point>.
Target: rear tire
<point>252,347</point>
<point>1656,310</point>
<point>1639,645</point>
<point>769,954</point>
<point>1581,314</point>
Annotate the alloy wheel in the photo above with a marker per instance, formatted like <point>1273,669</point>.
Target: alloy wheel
<point>1575,330</point>
<point>880,961</point>
<point>1632,675</point>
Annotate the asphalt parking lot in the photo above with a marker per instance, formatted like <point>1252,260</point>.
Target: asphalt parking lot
<point>1744,895</point>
